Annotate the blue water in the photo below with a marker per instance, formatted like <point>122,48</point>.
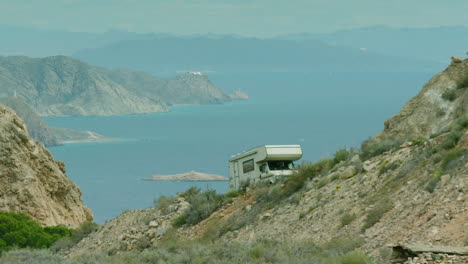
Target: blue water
<point>320,112</point>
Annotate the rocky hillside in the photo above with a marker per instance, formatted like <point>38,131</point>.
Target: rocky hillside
<point>37,127</point>
<point>61,85</point>
<point>32,182</point>
<point>442,100</point>
<point>399,188</point>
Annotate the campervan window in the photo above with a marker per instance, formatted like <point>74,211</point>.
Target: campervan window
<point>281,165</point>
<point>248,166</point>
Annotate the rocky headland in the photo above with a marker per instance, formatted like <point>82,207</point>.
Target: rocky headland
<point>63,86</point>
<point>49,136</point>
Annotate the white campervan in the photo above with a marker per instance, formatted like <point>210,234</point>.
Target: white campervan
<point>264,163</point>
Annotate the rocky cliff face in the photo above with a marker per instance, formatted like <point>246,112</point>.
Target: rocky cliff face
<point>64,86</point>
<point>442,100</point>
<point>32,182</point>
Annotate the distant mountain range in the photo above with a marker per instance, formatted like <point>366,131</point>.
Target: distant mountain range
<point>61,85</point>
<point>436,44</point>
<point>369,49</point>
<point>229,54</point>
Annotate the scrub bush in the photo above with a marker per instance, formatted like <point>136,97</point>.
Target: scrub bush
<point>449,95</point>
<point>203,204</point>
<point>463,84</point>
<point>18,230</point>
<point>376,213</point>
<point>347,219</point>
<point>372,147</point>
<point>341,155</point>
<point>163,203</point>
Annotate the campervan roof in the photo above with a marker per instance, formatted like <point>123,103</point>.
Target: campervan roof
<point>273,152</point>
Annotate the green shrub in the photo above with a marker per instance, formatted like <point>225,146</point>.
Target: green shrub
<point>373,147</point>
<point>322,183</point>
<point>376,213</point>
<point>449,95</point>
<point>432,184</point>
<point>203,204</point>
<point>451,140</point>
<point>463,83</point>
<point>347,219</point>
<point>18,230</point>
<point>354,257</point>
<point>389,167</point>
<point>233,193</point>
<point>75,236</point>
<point>449,157</point>
<point>164,203</point>
<point>341,155</point>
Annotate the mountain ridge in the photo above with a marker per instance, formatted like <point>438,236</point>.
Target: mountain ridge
<point>61,85</point>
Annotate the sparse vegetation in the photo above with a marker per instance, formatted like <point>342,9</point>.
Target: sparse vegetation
<point>449,157</point>
<point>432,184</point>
<point>376,213</point>
<point>203,204</point>
<point>75,236</point>
<point>341,155</point>
<point>451,140</point>
<point>199,251</point>
<point>389,167</point>
<point>463,84</point>
<point>372,147</point>
<point>449,95</point>
<point>347,219</point>
<point>164,203</point>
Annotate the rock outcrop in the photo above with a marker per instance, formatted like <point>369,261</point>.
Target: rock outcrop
<point>442,100</point>
<point>132,230</point>
<point>61,85</point>
<point>32,182</point>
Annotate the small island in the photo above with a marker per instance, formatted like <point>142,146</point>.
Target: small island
<point>188,176</point>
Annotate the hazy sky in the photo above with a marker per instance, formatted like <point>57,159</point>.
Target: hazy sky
<point>243,17</point>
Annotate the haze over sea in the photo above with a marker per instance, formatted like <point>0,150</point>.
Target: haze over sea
<point>322,112</point>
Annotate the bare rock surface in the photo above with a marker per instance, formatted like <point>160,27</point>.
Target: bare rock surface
<point>32,182</point>
<point>428,112</point>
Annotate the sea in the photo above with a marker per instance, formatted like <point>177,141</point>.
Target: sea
<point>320,111</point>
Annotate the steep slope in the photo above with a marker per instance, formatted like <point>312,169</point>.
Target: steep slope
<point>64,86</point>
<point>32,182</point>
<point>37,127</point>
<point>442,100</point>
<point>416,192</point>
